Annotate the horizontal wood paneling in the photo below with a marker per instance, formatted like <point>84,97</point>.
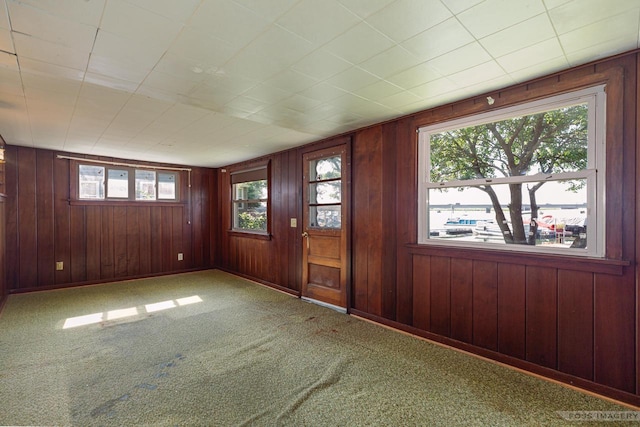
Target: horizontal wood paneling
<point>95,242</point>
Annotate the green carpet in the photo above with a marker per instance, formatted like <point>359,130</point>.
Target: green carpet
<point>208,348</point>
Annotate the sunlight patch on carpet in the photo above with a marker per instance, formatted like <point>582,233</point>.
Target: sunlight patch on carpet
<point>130,312</point>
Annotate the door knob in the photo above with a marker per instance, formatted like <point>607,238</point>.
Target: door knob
<point>305,234</point>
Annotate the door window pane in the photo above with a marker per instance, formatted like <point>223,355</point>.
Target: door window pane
<point>325,216</point>
<point>325,192</point>
<point>327,168</point>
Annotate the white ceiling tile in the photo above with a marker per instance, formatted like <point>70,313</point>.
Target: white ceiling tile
<point>531,56</point>
<point>292,81</point>
<point>181,67</point>
<point>527,33</point>
<point>318,21</point>
<point>47,85</point>
<point>103,100</point>
<point>175,119</point>
<point>356,105</point>
<point>271,9</point>
<point>434,88</point>
<point>400,99</point>
<point>46,26</point>
<point>359,43</point>
<point>4,17</point>
<point>622,28</point>
<point>438,40</point>
<point>457,6</point>
<point>6,42</point>
<point>300,103</point>
<point>576,14</point>
<point>415,76</point>
<point>159,93</point>
<point>378,90</point>
<point>198,46</point>
<point>404,19</point>
<point>364,8</point>
<point>478,74</point>
<point>168,83</point>
<point>112,82</point>
<point>53,53</point>
<point>33,66</point>
<point>243,106</point>
<point>130,22</point>
<point>208,97</point>
<point>540,69</point>
<point>323,92</point>
<point>10,83</point>
<point>492,16</point>
<point>321,65</point>
<point>179,11</point>
<point>229,82</point>
<point>267,94</point>
<point>352,79</point>
<point>8,61</point>
<point>86,12</point>
<point>460,59</point>
<point>550,4</point>
<point>274,51</point>
<point>124,72</point>
<point>228,21</point>
<point>601,50</point>
<point>390,62</point>
<point>123,58</point>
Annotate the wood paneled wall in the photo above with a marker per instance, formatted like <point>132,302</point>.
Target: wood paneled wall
<point>97,242</point>
<point>571,319</point>
<point>274,259</point>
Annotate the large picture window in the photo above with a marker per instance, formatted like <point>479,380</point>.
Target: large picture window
<point>250,198</point>
<point>529,177</point>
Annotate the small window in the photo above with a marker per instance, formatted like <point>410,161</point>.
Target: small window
<point>118,184</point>
<point>145,185</point>
<point>126,184</point>
<point>166,186</point>
<point>529,177</point>
<point>250,198</point>
<point>91,182</point>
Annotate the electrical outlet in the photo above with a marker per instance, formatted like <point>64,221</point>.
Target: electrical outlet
<point>59,265</point>
<point>294,222</point>
<point>180,256</point>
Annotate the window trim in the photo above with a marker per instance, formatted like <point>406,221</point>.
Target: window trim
<point>250,170</point>
<point>594,173</point>
<point>74,183</point>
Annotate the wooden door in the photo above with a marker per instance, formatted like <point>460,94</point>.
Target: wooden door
<point>324,237</point>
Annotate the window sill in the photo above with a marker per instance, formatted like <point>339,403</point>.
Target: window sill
<point>156,203</point>
<point>564,262</point>
<point>250,234</point>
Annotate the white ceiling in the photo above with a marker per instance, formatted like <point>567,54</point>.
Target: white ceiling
<point>213,82</point>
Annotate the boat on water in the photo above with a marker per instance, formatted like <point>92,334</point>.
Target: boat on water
<point>549,227</point>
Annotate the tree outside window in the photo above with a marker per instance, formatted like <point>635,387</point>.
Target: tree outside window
<point>524,177</point>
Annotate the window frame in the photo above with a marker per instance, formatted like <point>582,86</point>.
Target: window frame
<point>250,170</point>
<point>131,183</point>
<point>594,173</point>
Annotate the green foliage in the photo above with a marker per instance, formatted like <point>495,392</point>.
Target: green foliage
<point>547,142</point>
<point>252,220</point>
